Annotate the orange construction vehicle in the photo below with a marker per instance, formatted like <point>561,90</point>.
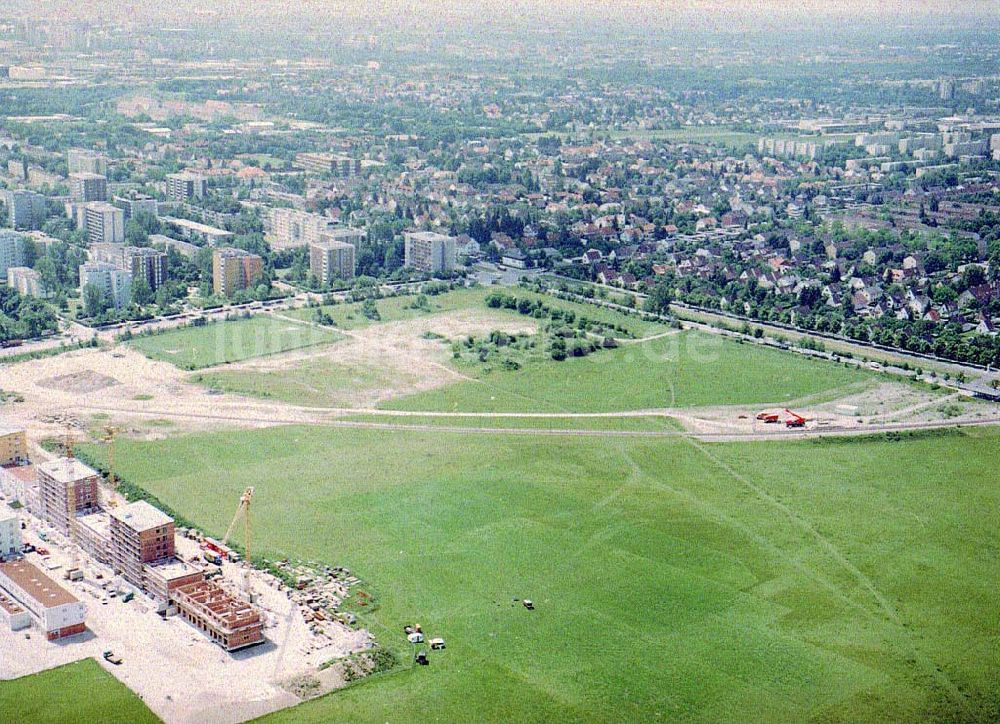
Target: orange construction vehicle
<point>795,420</point>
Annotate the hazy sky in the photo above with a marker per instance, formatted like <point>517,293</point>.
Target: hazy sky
<point>899,10</point>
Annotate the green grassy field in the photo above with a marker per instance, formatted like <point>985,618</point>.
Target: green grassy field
<point>851,580</point>
<point>402,308</point>
<point>396,309</point>
<point>193,348</point>
<point>80,692</point>
<point>681,370</point>
<point>311,382</point>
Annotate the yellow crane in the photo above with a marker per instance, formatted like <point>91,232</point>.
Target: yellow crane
<point>109,437</point>
<point>242,511</point>
<point>71,502</point>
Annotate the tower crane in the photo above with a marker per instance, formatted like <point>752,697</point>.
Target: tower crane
<point>109,437</point>
<point>71,502</point>
<point>243,511</point>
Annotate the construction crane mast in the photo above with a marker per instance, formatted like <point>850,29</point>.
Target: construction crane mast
<point>110,433</point>
<point>71,502</point>
<point>242,511</point>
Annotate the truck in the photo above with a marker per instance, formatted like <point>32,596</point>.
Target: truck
<point>795,420</point>
<point>212,557</point>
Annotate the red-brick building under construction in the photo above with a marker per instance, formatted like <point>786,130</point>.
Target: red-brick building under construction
<point>229,622</point>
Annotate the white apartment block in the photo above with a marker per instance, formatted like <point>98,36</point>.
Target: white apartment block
<point>184,186</point>
<point>86,187</point>
<point>115,283</point>
<point>330,259</point>
<point>79,160</point>
<point>429,252</point>
<point>104,223</point>
<point>26,281</point>
<point>10,535</point>
<point>11,250</point>
<point>291,228</point>
<point>25,209</point>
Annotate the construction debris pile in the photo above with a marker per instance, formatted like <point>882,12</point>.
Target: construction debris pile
<point>320,593</point>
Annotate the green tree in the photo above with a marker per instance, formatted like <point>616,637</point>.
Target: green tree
<point>94,303</point>
<point>46,269</point>
<point>659,299</point>
<point>135,235</point>
<point>141,292</point>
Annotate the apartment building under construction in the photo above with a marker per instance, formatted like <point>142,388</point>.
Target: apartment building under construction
<point>13,445</point>
<point>67,488</point>
<point>228,621</point>
<point>139,534</point>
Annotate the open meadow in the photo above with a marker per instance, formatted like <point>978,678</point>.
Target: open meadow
<point>847,579</point>
<point>655,366</point>
<point>76,692</point>
<point>217,343</point>
<point>680,370</point>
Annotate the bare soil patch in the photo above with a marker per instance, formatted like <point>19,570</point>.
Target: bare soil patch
<point>388,360</point>
<point>83,382</point>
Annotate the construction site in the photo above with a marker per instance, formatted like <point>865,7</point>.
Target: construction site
<point>182,619</point>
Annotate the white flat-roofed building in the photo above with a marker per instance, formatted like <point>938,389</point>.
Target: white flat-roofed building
<point>10,535</point>
<point>346,234</point>
<point>136,204</point>
<point>331,163</point>
<point>56,610</point>
<point>26,281</point>
<point>184,248</point>
<point>115,283</point>
<point>20,483</point>
<point>196,231</point>
<point>185,185</point>
<point>11,250</point>
<point>12,614</point>
<point>291,228</point>
<point>25,209</point>
<point>429,252</point>
<point>86,187</point>
<point>330,259</point>
<point>104,223</point>
<point>80,160</point>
